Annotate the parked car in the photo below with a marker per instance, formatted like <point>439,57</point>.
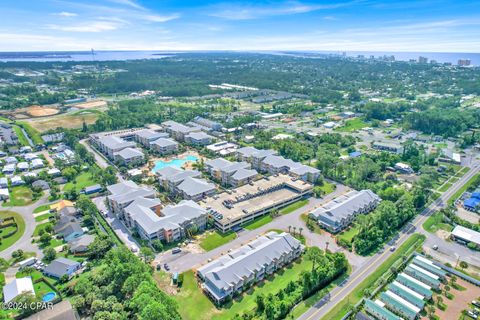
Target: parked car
<point>393,248</point>
<point>159,267</point>
<point>166,266</point>
<point>476,303</point>
<point>176,250</point>
<point>471,314</point>
<point>435,247</point>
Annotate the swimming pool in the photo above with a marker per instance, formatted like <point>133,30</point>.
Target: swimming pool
<point>49,297</point>
<point>173,163</point>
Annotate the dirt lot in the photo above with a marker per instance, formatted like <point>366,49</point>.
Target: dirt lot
<point>467,215</point>
<point>91,104</point>
<point>71,121</point>
<point>460,302</point>
<point>38,111</point>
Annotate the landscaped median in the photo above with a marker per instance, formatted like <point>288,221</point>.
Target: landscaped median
<point>11,228</point>
<point>341,308</point>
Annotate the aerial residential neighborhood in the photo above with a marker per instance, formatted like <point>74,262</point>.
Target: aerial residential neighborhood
<point>246,160</point>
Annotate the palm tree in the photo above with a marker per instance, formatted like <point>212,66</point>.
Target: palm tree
<point>300,231</point>
<point>326,246</point>
<point>289,227</point>
<point>294,228</point>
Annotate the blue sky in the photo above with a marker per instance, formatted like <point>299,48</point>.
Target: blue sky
<point>350,25</point>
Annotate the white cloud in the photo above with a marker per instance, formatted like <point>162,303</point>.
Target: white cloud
<point>231,11</point>
<point>67,14</point>
<point>89,26</point>
<point>129,3</point>
<point>159,18</point>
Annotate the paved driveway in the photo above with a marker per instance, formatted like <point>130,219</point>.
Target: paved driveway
<point>186,260</point>
<point>25,241</point>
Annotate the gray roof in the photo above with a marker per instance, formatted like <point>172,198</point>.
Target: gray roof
<point>179,176</point>
<point>129,153</point>
<point>128,191</point>
<point>113,142</point>
<point>303,169</point>
<point>235,166</point>
<point>150,134</point>
<point>173,216</point>
<point>279,162</point>
<point>70,228</point>
<point>218,163</point>
<point>41,184</point>
<point>199,136</point>
<point>164,142</point>
<point>467,234</point>
<point>344,206</point>
<point>122,187</point>
<point>245,261</point>
<point>178,127</point>
<point>244,174</point>
<point>82,241</point>
<point>58,267</point>
<point>192,186</point>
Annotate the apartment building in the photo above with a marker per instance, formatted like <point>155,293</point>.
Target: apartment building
<point>164,146</point>
<point>198,138</point>
<point>238,269</point>
<point>337,214</point>
<point>109,145</point>
<point>229,173</point>
<point>129,156</point>
<point>185,183</point>
<point>177,130</point>
<point>146,136</point>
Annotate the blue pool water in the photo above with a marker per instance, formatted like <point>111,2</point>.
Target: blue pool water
<point>173,163</point>
<point>49,297</point>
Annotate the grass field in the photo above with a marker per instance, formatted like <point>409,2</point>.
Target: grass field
<point>348,235</point>
<point>31,131</point>
<point>7,242</point>
<point>257,223</point>
<point>196,305</point>
<point>43,207</point>
<point>20,196</point>
<point>294,206</point>
<point>434,223</point>
<point>352,125</point>
<point>45,216</point>
<point>216,239</point>
<point>340,309</point>
<point>21,136</point>
<point>83,180</point>
<point>69,120</point>
<point>464,188</point>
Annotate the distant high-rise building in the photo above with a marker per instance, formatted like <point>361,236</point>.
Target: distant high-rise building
<point>372,57</point>
<point>422,59</point>
<point>464,62</point>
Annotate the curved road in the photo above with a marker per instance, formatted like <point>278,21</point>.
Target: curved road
<point>322,307</point>
<point>25,241</point>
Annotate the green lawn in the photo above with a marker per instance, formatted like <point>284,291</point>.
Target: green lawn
<point>348,235</point>
<point>43,207</point>
<point>341,308</point>
<point>316,228</point>
<point>434,223</point>
<point>353,125</point>
<point>39,227</point>
<point>327,188</point>
<point>196,305</point>
<point>35,275</point>
<point>258,222</point>
<point>32,132</point>
<point>464,188</point>
<point>216,239</point>
<point>446,186</point>
<point>21,136</point>
<point>20,196</point>
<point>44,216</point>
<point>7,242</point>
<point>83,180</point>
<point>294,206</point>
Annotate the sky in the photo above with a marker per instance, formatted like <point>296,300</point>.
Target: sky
<point>344,25</point>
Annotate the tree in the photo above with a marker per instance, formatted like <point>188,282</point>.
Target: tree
<point>157,245</point>
<point>314,254</point>
<point>463,265</point>
<point>45,239</point>
<point>18,254</point>
<point>147,254</point>
<point>49,254</point>
<point>300,231</point>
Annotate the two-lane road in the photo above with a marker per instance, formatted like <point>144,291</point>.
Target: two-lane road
<point>321,308</point>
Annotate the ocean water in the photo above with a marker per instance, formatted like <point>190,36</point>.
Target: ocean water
<point>83,55</point>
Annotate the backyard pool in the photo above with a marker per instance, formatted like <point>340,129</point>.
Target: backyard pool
<point>173,163</point>
<point>49,297</point>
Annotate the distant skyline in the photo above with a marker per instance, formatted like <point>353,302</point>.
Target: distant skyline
<point>356,25</point>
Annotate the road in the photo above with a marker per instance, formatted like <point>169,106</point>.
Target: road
<point>25,241</point>
<point>100,160</point>
<point>321,308</point>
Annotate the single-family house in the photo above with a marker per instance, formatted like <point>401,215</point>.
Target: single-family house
<point>61,267</point>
